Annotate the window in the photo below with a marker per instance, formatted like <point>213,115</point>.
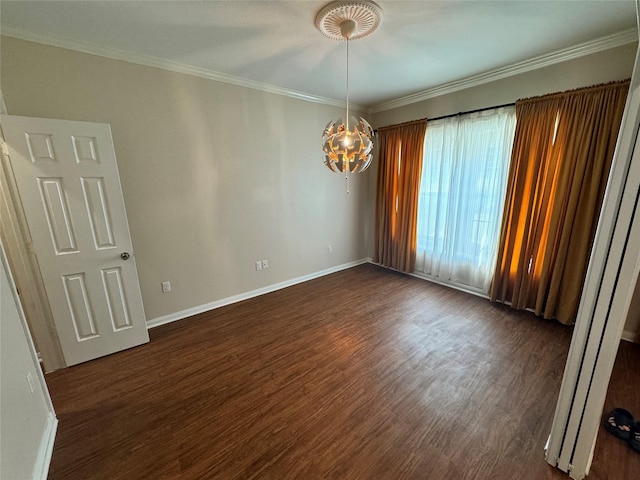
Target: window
<point>464,177</point>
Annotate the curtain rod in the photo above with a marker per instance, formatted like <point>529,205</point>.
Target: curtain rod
<point>448,116</point>
<point>471,111</point>
<point>600,85</point>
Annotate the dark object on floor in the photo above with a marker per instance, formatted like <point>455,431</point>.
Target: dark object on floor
<point>634,441</point>
<point>619,422</point>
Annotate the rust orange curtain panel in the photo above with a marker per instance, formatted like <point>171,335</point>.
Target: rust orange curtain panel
<point>399,171</point>
<point>560,163</point>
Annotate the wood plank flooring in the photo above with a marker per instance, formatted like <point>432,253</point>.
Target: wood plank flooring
<point>614,459</point>
<point>362,374</point>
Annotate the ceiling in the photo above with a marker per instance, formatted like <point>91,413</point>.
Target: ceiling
<point>274,45</point>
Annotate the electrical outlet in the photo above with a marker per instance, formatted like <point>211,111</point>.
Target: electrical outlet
<point>330,249</point>
<point>32,385</point>
<point>258,265</point>
<point>265,263</point>
<point>166,286</point>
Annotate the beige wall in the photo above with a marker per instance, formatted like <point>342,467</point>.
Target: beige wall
<point>217,176</point>
<point>214,176</point>
<point>27,419</point>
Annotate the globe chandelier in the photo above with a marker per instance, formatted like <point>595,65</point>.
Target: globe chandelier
<point>347,145</point>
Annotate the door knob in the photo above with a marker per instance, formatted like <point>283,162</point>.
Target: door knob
<point>125,255</point>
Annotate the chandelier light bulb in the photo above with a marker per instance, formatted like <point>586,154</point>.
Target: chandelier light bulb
<point>347,150</point>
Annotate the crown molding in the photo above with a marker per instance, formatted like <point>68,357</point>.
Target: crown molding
<point>16,31</point>
<point>594,46</point>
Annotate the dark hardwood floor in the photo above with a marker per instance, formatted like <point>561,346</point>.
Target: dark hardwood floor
<point>363,374</point>
<point>614,459</point>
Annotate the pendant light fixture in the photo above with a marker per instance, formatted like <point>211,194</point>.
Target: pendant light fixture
<point>347,145</point>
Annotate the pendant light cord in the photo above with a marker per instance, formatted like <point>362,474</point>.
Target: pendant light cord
<point>346,176</point>
<point>347,84</point>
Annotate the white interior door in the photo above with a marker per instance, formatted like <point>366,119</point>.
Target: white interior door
<point>68,183</point>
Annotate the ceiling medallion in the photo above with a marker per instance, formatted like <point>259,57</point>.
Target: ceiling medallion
<point>348,149</point>
<point>366,15</point>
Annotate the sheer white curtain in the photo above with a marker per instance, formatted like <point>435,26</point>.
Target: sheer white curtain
<point>464,178</point>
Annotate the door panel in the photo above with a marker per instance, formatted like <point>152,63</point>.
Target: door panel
<point>54,202</point>
<point>68,182</point>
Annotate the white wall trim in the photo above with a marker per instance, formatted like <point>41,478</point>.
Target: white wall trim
<point>630,336</point>
<point>3,106</point>
<point>16,31</point>
<point>455,286</point>
<point>172,317</point>
<point>594,46</point>
<point>43,459</point>
<point>437,281</point>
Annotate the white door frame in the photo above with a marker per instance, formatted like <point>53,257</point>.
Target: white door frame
<point>69,168</point>
<point>604,307</point>
<point>24,264</point>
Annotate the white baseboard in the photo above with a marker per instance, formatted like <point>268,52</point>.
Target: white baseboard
<point>43,459</point>
<point>630,336</point>
<point>173,317</point>
<point>456,286</point>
